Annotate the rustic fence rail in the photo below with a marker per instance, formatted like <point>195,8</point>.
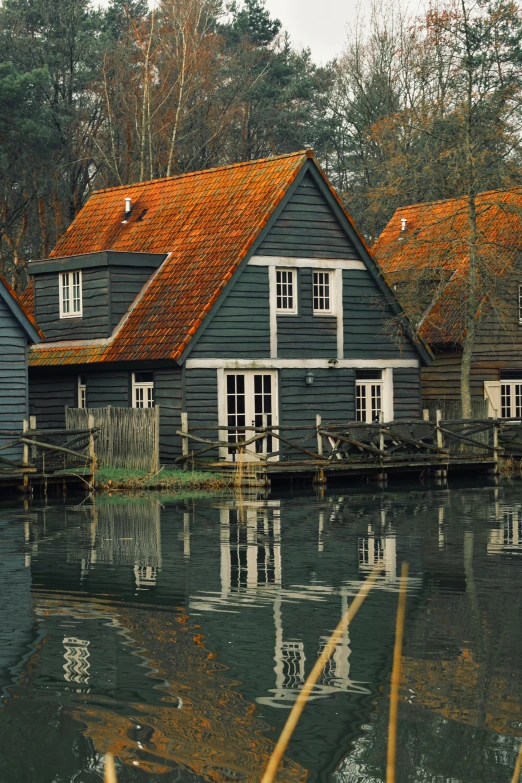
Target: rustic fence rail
<point>407,442</point>
<point>128,437</point>
<point>46,451</point>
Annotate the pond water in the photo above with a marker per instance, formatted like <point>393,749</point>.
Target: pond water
<point>176,633</point>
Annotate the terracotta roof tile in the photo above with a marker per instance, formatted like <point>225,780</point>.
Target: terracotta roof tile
<point>207,221</point>
<point>435,240</point>
<point>24,305</point>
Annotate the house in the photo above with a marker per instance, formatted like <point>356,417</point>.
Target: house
<point>424,255</point>
<point>18,330</point>
<point>232,294</point>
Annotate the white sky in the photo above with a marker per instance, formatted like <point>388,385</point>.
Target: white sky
<point>322,26</point>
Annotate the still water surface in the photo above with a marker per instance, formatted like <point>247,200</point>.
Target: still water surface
<point>176,633</point>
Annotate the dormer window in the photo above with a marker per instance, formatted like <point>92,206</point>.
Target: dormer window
<point>71,294</point>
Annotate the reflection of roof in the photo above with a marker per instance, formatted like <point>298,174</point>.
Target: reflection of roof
<point>458,690</point>
<point>215,733</point>
<point>206,221</point>
<point>436,241</point>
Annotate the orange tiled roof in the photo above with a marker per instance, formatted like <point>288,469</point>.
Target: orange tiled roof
<point>207,221</point>
<point>436,239</point>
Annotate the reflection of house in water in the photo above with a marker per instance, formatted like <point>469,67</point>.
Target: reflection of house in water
<point>378,550</point>
<point>77,665</point>
<point>507,537</point>
<point>250,547</point>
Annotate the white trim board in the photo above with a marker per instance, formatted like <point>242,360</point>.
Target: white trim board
<point>272,288</point>
<point>316,263</point>
<point>280,364</point>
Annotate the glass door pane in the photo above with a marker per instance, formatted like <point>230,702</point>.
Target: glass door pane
<point>262,407</point>
<point>236,409</point>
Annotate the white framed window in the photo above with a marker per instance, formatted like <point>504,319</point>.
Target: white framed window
<point>286,291</point>
<point>520,303</point>
<point>142,389</point>
<point>247,399</point>
<point>82,391</point>
<point>322,292</point>
<point>511,399</point>
<point>369,395</point>
<point>71,294</point>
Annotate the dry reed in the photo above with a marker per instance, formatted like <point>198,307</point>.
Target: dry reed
<point>396,677</point>
<point>297,709</point>
<point>110,769</point>
<point>518,766</point>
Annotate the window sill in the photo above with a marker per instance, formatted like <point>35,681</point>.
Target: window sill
<point>74,315</point>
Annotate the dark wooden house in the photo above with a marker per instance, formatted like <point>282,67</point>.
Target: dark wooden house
<point>230,294</point>
<point>18,330</point>
<point>424,255</point>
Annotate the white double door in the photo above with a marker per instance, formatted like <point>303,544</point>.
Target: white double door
<point>248,400</point>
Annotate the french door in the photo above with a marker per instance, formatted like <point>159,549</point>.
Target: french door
<point>368,399</point>
<point>250,400</point>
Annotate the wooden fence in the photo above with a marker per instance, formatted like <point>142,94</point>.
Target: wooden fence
<point>408,443</point>
<point>452,409</point>
<point>128,437</point>
<point>47,451</point>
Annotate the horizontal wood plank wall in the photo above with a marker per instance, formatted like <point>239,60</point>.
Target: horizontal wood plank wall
<point>367,321</point>
<point>305,334</point>
<point>125,285</point>
<point>13,376</point>
<point>441,380</point>
<point>307,228</point>
<point>201,404</point>
<point>332,395</point>
<point>108,388</point>
<point>406,393</point>
<point>49,393</point>
<point>95,320</point>
<point>241,327</point>
<point>168,395</point>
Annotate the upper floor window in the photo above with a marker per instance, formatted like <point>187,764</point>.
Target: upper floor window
<point>70,294</point>
<point>142,389</point>
<point>322,293</point>
<point>520,303</point>
<point>82,391</point>
<point>286,290</point>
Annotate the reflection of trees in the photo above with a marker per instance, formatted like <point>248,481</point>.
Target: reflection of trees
<point>205,725</point>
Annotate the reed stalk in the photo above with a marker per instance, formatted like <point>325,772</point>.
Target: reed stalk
<point>110,769</point>
<point>297,709</point>
<point>518,766</point>
<point>396,677</point>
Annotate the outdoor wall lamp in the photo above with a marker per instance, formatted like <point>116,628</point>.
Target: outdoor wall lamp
<point>309,377</point>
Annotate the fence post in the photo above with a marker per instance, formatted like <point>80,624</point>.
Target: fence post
<point>110,440</point>
<point>265,439</point>
<point>381,433</point>
<point>184,439</point>
<point>426,414</point>
<point>155,456</point>
<point>438,419</point>
<point>496,426</point>
<point>92,453</point>
<point>318,420</point>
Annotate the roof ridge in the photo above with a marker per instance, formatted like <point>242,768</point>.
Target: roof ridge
<point>309,153</point>
<point>457,198</point>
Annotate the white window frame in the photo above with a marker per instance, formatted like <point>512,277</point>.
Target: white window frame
<point>251,454</point>
<point>291,275</point>
<point>510,401</point>
<point>385,384</point>
<point>520,303</point>
<point>70,281</point>
<point>143,387</point>
<point>82,392</point>
<point>331,292</point>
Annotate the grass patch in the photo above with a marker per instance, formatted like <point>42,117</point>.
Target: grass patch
<point>122,479</point>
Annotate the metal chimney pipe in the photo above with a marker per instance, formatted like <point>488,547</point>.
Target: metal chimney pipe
<point>403,224</point>
<point>128,203</point>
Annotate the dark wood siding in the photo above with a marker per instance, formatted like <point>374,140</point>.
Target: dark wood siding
<point>109,387</point>
<point>332,395</point>
<point>13,375</point>
<point>168,396</point>
<point>201,404</point>
<point>305,334</point>
<point>95,304</point>
<point>49,393</point>
<point>125,285</point>
<point>241,326</point>
<point>406,393</point>
<point>368,324</point>
<point>307,228</point>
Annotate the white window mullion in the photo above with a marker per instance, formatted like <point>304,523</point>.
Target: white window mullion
<point>70,294</point>
<point>143,390</point>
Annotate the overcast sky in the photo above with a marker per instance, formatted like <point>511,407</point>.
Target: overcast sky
<point>322,26</point>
